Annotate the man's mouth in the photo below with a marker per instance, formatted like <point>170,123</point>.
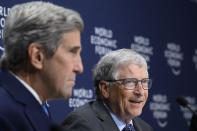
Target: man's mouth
<point>72,79</point>
<point>136,101</point>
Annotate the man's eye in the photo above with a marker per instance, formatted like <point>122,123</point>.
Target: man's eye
<point>74,51</point>
<point>130,82</point>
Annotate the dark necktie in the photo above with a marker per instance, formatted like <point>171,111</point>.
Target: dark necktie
<point>128,127</point>
<point>45,109</point>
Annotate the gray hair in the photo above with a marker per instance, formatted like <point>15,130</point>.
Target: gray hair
<point>107,67</point>
<point>35,22</point>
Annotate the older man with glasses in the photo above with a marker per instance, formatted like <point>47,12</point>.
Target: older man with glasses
<point>122,83</point>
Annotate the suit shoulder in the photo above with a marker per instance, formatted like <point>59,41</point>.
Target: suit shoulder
<point>83,110</point>
<point>141,124</point>
<point>9,107</point>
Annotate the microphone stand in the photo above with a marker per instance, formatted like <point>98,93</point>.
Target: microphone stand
<point>193,124</point>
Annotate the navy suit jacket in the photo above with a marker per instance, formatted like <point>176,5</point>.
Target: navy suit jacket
<point>93,116</point>
<point>19,110</point>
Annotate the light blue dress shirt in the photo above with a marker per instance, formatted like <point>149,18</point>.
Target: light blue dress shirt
<point>120,124</point>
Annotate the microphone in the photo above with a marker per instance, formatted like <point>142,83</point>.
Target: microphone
<point>183,102</point>
<point>55,127</point>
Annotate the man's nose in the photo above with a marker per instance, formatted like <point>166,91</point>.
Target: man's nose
<point>78,66</point>
<point>139,89</point>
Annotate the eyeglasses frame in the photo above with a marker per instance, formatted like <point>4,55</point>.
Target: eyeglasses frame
<point>136,83</point>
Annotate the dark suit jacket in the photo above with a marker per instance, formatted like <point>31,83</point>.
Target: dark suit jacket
<point>93,116</point>
<point>19,110</point>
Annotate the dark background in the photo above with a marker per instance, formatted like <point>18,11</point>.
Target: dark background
<point>157,24</point>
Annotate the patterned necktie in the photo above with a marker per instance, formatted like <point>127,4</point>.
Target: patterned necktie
<point>128,127</point>
<point>45,109</point>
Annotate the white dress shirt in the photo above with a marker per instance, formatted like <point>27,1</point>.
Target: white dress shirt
<point>30,89</point>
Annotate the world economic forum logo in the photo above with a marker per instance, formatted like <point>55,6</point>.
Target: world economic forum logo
<point>174,57</point>
<point>160,107</point>
<point>3,14</point>
<point>194,59</point>
<point>80,97</point>
<point>143,46</point>
<point>103,40</point>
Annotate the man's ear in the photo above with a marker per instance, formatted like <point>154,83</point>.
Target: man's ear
<point>36,55</point>
<point>103,86</point>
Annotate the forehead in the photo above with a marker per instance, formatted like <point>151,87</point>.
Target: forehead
<point>71,39</point>
<point>132,71</point>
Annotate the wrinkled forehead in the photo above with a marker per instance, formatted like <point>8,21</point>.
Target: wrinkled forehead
<point>130,68</point>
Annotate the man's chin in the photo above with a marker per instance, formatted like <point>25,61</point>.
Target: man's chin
<point>67,94</point>
<point>63,96</point>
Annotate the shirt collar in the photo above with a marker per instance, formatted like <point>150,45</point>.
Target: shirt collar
<point>120,124</point>
<point>29,88</point>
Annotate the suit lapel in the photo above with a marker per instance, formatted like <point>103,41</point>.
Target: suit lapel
<point>136,125</point>
<point>37,118</point>
<point>33,110</point>
<point>104,116</point>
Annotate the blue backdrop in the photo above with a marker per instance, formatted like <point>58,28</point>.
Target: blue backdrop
<point>163,31</point>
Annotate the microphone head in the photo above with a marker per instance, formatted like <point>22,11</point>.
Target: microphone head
<point>55,127</point>
<point>182,101</point>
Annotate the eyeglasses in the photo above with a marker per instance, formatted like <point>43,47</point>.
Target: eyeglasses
<point>131,83</point>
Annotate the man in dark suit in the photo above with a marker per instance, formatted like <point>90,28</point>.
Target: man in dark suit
<point>40,61</point>
<point>122,84</point>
